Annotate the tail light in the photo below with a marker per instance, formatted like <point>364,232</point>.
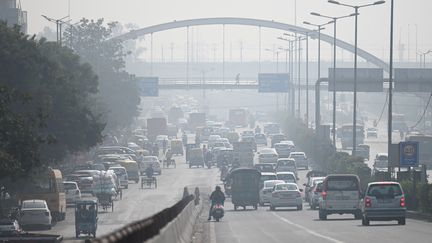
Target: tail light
<point>324,195</point>
<point>47,213</point>
<point>368,202</point>
<point>402,201</point>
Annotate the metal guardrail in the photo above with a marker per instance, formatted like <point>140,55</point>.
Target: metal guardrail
<point>145,229</point>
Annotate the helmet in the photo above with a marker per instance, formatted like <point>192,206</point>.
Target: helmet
<point>218,188</point>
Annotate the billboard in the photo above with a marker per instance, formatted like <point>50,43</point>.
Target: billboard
<point>409,154</point>
<point>413,79</point>
<point>273,82</point>
<point>149,86</point>
<point>368,79</point>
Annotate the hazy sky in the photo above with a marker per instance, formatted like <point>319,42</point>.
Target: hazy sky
<point>373,22</point>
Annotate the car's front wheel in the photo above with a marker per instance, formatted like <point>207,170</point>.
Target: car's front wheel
<point>401,221</point>
<point>322,215</point>
<point>365,221</point>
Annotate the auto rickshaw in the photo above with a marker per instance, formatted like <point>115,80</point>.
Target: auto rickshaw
<point>177,147</point>
<point>86,217</point>
<point>245,187</point>
<point>195,157</point>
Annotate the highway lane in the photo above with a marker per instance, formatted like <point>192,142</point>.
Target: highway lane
<point>290,225</point>
<point>140,203</point>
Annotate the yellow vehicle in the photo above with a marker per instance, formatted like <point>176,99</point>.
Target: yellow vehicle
<point>177,146</point>
<point>132,169</point>
<point>49,187</point>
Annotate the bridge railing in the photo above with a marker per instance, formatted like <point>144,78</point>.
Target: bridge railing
<point>207,81</point>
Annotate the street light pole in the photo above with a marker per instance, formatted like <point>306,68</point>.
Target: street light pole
<point>356,8</point>
<point>390,94</point>
<point>334,67</point>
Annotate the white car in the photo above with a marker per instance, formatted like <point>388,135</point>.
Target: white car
<point>300,159</point>
<point>267,155</point>
<point>381,162</point>
<point>73,193</point>
<point>266,176</point>
<point>212,139</point>
<point>288,165</point>
<point>310,185</point>
<point>35,213</point>
<point>150,160</point>
<point>283,150</point>
<point>266,192</point>
<point>9,227</point>
<point>287,177</point>
<point>315,195</point>
<point>286,195</point>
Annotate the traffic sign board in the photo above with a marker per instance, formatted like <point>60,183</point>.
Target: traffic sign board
<point>413,79</point>
<point>409,154</point>
<point>149,86</point>
<point>368,79</point>
<point>273,82</point>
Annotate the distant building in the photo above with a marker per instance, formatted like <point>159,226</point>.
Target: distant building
<point>10,11</point>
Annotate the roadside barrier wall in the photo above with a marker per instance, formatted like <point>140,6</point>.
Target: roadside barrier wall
<point>174,224</point>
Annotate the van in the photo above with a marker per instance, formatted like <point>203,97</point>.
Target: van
<point>340,195</point>
<point>132,169</point>
<point>286,165</point>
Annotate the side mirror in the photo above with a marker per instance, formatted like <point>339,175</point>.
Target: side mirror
<point>304,184</point>
<point>301,190</point>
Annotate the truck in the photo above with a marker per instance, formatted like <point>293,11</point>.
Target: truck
<point>196,119</point>
<point>243,153</point>
<point>155,127</point>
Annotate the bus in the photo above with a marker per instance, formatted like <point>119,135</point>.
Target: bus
<point>238,117</point>
<point>346,135</point>
<point>47,186</point>
<point>425,145</point>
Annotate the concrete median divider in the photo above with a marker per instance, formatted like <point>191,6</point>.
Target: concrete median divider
<point>174,224</point>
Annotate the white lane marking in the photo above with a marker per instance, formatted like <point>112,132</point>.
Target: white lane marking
<point>212,233</point>
<point>307,230</point>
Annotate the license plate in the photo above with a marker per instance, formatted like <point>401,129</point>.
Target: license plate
<point>384,201</point>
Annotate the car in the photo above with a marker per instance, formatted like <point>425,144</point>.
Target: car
<point>213,139</point>
<point>153,160</point>
<point>266,192</point>
<point>286,195</point>
<point>283,150</point>
<point>267,155</point>
<point>250,139</point>
<point>73,193</point>
<point>363,151</point>
<point>380,163</point>
<point>265,176</point>
<point>310,185</point>
<point>261,139</point>
<point>340,195</point>
<point>84,179</point>
<point>277,138</point>
<point>122,175</point>
<point>372,132</point>
<point>35,213</point>
<point>268,167</point>
<point>9,227</point>
<point>271,128</point>
<point>247,133</point>
<point>287,177</point>
<point>315,195</point>
<point>286,164</point>
<point>383,201</point>
<point>300,159</point>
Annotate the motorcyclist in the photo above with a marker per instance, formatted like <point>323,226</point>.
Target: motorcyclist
<point>217,197</point>
<point>149,171</point>
<point>208,157</point>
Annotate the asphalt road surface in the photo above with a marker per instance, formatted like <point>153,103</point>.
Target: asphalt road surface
<point>290,225</point>
<point>140,203</point>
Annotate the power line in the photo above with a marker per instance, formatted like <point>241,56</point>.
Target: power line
<point>383,109</point>
<point>424,113</point>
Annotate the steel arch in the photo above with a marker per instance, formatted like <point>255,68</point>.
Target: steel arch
<point>251,22</point>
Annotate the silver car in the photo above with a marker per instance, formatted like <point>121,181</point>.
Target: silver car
<point>266,192</point>
<point>286,195</point>
<point>35,213</point>
<point>73,193</point>
<point>383,201</point>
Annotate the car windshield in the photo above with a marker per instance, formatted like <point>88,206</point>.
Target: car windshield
<point>268,177</point>
<point>35,204</point>
<point>286,187</point>
<point>286,177</point>
<point>70,186</point>
<point>384,190</point>
<point>286,163</point>
<point>270,184</point>
<point>342,184</point>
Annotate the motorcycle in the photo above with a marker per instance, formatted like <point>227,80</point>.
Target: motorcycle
<point>218,212</point>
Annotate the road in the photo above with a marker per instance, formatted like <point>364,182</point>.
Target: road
<point>140,203</point>
<point>290,225</point>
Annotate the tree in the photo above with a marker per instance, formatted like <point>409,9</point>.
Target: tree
<point>118,90</point>
<point>47,104</point>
